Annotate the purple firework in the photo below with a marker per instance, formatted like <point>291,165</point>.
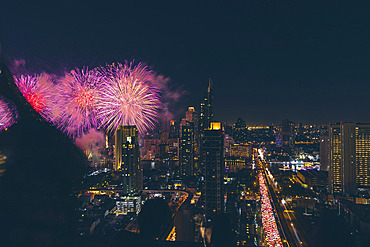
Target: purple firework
<point>77,99</point>
<point>129,97</point>
<point>8,115</point>
<point>38,90</point>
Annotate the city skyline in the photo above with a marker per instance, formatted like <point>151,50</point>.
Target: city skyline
<point>184,123</point>
<point>198,179</point>
<point>305,62</point>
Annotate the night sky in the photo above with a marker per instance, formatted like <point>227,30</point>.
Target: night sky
<point>306,61</point>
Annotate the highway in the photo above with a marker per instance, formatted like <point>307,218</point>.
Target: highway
<point>269,222</point>
<point>288,224</point>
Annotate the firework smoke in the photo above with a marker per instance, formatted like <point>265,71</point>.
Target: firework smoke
<point>92,144</point>
<point>8,115</point>
<point>129,97</point>
<point>38,90</point>
<point>77,98</point>
<point>91,137</point>
<point>170,97</point>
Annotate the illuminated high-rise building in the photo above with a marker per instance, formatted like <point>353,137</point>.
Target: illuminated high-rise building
<point>187,149</point>
<point>128,159</point>
<point>212,161</point>
<point>206,108</point>
<point>335,160</point>
<point>192,116</point>
<point>349,157</point>
<point>362,133</point>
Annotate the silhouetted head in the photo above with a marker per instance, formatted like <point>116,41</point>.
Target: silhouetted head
<point>154,214</point>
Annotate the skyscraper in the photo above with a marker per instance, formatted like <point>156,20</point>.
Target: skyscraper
<point>192,116</point>
<point>206,108</point>
<point>213,164</point>
<point>349,159</point>
<point>362,133</point>
<point>187,149</point>
<point>335,162</point>
<point>128,159</point>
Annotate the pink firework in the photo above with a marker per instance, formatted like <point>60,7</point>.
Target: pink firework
<point>129,97</point>
<point>38,92</point>
<point>77,99</point>
<point>8,115</point>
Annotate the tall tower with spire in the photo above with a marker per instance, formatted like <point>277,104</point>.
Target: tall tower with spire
<point>206,108</point>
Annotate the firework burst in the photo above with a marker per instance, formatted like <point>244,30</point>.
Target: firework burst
<point>8,115</point>
<point>77,99</point>
<point>129,97</point>
<point>38,92</point>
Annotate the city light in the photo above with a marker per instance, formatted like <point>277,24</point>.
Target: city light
<point>216,124</point>
<point>268,219</point>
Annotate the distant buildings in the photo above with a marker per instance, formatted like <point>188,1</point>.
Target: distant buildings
<point>169,143</point>
<point>227,144</point>
<point>241,151</point>
<point>349,158</point>
<point>285,134</point>
<point>240,133</point>
<point>128,159</point>
<point>151,148</point>
<point>237,157</point>
<point>240,124</point>
<point>233,164</point>
<point>212,161</point>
